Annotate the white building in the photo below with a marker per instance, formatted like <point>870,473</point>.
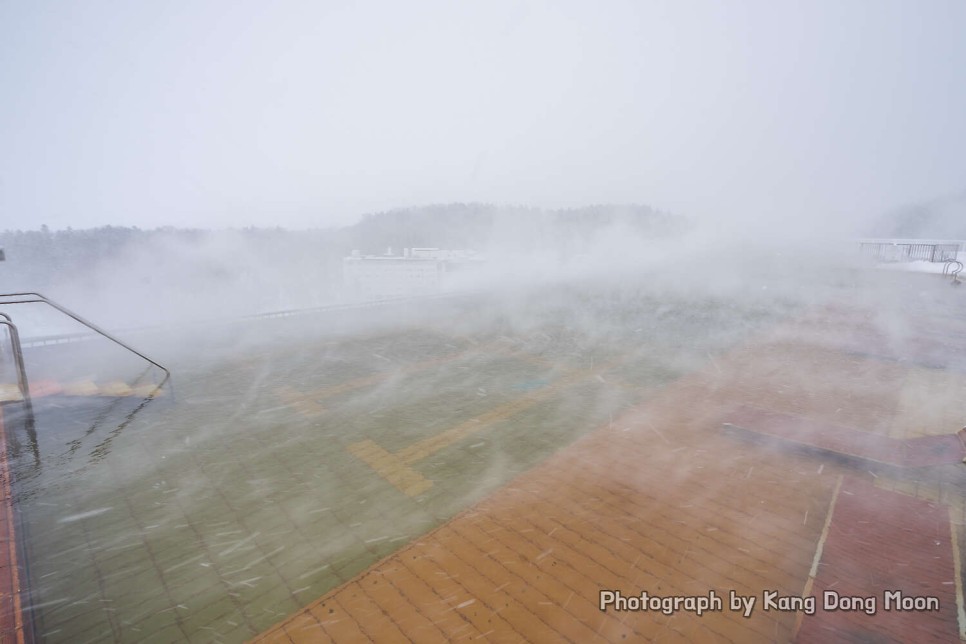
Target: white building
<point>418,271</point>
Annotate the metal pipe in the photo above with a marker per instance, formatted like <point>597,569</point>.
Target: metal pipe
<point>45,300</point>
<point>18,361</point>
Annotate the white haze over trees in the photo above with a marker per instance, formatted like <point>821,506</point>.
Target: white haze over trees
<point>194,161</point>
<point>126,278</point>
<point>135,277</point>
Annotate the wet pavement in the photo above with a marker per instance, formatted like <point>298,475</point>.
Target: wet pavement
<point>484,477</point>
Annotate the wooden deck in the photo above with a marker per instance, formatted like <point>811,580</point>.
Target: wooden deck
<point>662,501</point>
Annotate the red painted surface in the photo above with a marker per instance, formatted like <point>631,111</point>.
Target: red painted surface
<point>882,541</point>
<point>917,350</point>
<point>909,452</point>
<point>11,619</point>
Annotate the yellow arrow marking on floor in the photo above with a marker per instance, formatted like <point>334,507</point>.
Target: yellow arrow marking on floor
<point>395,467</point>
<point>303,403</point>
<point>116,388</point>
<point>81,388</point>
<point>307,402</point>
<point>10,393</point>
<point>147,391</point>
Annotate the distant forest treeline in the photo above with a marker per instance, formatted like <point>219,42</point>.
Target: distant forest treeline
<point>132,273</point>
<point>44,255</point>
<point>483,226</point>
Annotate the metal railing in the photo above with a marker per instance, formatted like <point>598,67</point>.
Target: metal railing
<point>17,354</point>
<point>952,270</point>
<point>38,298</point>
<point>67,338</point>
<point>907,250</point>
<point>23,384</point>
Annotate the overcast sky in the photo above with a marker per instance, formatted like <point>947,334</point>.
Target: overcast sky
<point>219,114</point>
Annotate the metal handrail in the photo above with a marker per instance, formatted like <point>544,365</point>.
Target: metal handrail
<point>63,338</point>
<point>23,384</point>
<point>42,299</point>
<point>18,361</point>
<point>950,271</point>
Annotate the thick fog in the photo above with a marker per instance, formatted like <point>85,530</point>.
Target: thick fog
<point>303,114</point>
<point>127,279</point>
<point>645,215</point>
<point>252,473</point>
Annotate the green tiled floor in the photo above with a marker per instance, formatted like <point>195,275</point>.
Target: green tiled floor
<point>212,516</point>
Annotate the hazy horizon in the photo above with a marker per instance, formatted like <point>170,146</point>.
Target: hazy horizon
<point>331,412</point>
<point>765,116</point>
